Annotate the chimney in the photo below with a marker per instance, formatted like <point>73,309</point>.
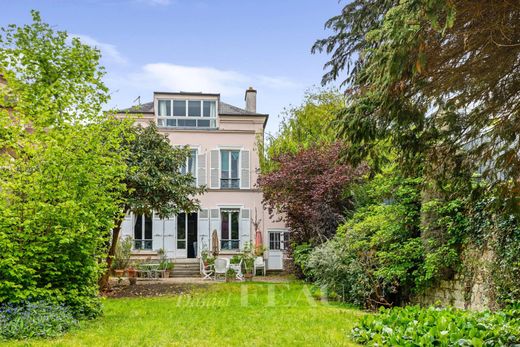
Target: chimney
<point>250,98</point>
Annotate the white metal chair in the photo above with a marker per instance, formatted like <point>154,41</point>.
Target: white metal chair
<point>238,270</point>
<point>259,265</point>
<point>206,270</point>
<point>221,266</point>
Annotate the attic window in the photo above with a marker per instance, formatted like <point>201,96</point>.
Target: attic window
<point>187,113</point>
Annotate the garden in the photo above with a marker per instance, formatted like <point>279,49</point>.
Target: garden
<point>400,189</point>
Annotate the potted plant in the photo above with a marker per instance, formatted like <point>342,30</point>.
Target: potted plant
<point>132,274</point>
<point>122,256</point>
<point>230,275</point>
<point>165,264</point>
<point>248,262</point>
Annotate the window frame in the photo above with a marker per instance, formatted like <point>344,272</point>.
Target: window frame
<point>143,241</point>
<point>238,179</point>
<point>194,153</point>
<point>230,242</point>
<point>172,121</point>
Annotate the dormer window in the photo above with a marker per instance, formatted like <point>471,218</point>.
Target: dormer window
<point>180,113</point>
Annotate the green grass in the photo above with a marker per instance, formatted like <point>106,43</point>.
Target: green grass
<point>227,314</point>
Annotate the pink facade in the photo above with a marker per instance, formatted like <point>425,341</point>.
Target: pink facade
<point>224,141</point>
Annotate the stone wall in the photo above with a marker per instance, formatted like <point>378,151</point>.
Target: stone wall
<point>472,288</point>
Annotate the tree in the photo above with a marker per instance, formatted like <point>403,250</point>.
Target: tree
<point>310,189</point>
<point>154,181</point>
<point>440,78</point>
<point>304,126</point>
<point>62,168</point>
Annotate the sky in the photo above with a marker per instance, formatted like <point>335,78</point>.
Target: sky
<point>214,46</point>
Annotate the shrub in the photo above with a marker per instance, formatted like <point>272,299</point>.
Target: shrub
<point>377,255</point>
<point>34,319</point>
<point>416,326</point>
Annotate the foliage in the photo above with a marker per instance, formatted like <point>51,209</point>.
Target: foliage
<point>303,127</point>
<point>416,326</point>
<point>53,79</point>
<point>123,253</point>
<point>310,189</point>
<point>377,255</point>
<point>153,179</point>
<point>419,72</point>
<point>34,320</point>
<point>300,255</point>
<point>62,168</point>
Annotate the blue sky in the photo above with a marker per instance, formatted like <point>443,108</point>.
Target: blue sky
<point>221,46</point>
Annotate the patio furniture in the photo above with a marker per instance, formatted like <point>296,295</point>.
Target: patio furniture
<point>238,270</point>
<point>221,266</point>
<point>206,270</point>
<point>150,270</point>
<point>259,265</point>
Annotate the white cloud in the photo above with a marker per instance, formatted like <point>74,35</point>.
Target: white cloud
<point>108,51</point>
<point>173,77</point>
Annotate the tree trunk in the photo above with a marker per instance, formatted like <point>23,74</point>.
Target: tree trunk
<point>103,281</point>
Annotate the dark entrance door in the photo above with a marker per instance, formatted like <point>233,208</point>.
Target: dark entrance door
<point>192,235</point>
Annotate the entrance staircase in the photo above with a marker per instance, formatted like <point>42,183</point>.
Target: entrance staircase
<point>186,268</point>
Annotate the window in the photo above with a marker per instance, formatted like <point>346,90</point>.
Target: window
<point>278,240</point>
<point>191,164</point>
<point>229,229</point>
<point>229,169</point>
<point>179,108</point>
<point>187,113</point>
<point>194,109</point>
<point>165,108</point>
<point>181,231</point>
<point>143,232</point>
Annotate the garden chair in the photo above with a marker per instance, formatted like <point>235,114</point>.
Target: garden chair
<point>206,270</point>
<point>220,266</point>
<point>259,265</point>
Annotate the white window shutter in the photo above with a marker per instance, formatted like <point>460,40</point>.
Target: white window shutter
<point>127,227</point>
<point>245,171</point>
<point>204,232</point>
<point>157,232</point>
<point>170,225</point>
<point>245,227</point>
<point>214,168</point>
<point>214,224</point>
<point>201,169</point>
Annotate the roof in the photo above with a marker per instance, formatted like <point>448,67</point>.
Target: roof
<point>223,109</point>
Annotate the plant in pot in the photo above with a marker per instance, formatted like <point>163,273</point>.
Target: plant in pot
<point>230,275</point>
<point>165,264</point>
<point>248,261</point>
<point>122,256</point>
<point>132,274</point>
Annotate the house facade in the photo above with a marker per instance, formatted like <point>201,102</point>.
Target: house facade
<point>224,157</point>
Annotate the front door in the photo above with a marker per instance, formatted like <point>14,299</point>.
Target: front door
<point>186,235</point>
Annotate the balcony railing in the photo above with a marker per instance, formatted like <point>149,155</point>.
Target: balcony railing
<point>143,244</point>
<point>230,183</point>
<point>229,244</point>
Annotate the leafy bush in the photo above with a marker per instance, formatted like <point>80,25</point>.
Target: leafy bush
<point>300,257</point>
<point>34,319</point>
<point>416,326</point>
<point>377,254</point>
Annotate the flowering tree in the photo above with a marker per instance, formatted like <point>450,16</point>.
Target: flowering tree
<point>311,190</point>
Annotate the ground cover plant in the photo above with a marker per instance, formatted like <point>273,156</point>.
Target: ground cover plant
<point>432,326</point>
<point>223,314</point>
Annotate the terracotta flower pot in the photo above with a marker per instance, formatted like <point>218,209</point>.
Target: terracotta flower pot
<point>119,272</point>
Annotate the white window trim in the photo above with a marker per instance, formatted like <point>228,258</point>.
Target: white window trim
<point>143,226</point>
<point>229,148</point>
<point>186,101</point>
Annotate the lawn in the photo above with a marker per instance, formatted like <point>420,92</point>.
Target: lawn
<point>227,314</point>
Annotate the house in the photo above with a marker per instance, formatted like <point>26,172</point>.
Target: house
<point>224,157</point>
